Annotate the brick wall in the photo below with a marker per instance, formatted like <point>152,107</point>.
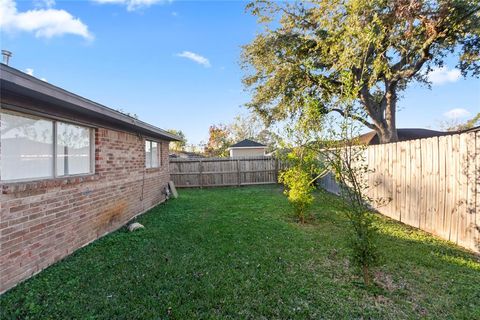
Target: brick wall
<point>42,222</point>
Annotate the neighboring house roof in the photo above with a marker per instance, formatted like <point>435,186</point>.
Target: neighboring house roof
<point>45,98</point>
<point>247,143</point>
<point>404,134</point>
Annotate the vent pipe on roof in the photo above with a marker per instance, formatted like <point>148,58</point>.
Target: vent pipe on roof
<point>6,56</point>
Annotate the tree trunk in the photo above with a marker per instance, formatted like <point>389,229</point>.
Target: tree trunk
<point>385,119</point>
<point>389,108</point>
<point>382,114</point>
<point>302,218</point>
<point>366,275</point>
<point>385,127</point>
<point>387,134</point>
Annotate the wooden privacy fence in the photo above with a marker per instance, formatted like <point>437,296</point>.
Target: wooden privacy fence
<point>432,184</point>
<point>215,172</point>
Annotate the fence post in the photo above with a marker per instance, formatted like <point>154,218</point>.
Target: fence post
<point>276,170</point>
<point>238,173</point>
<point>200,177</point>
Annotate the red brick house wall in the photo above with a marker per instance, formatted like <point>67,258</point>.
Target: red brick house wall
<point>42,222</point>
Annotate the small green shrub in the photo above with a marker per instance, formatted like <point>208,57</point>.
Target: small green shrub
<point>298,189</point>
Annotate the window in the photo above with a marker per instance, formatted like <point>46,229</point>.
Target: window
<point>151,154</point>
<point>26,147</point>
<point>36,148</point>
<point>73,149</point>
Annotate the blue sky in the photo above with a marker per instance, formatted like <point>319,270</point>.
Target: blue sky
<point>173,63</point>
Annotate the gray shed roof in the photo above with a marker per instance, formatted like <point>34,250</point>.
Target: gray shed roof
<point>43,97</point>
<point>247,143</point>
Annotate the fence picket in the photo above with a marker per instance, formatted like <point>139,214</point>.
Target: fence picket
<point>441,225</point>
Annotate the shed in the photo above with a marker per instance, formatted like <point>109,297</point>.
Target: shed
<point>247,148</point>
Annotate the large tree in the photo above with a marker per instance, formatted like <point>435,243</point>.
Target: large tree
<point>354,57</point>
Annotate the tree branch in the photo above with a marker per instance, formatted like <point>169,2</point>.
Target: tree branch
<point>302,19</point>
<point>354,117</point>
<point>425,50</point>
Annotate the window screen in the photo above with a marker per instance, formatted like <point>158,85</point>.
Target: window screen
<point>73,149</point>
<point>154,155</point>
<point>26,147</point>
<point>35,148</point>
<point>151,154</point>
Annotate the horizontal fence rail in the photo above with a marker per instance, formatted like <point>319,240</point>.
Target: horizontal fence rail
<point>216,172</point>
<point>432,184</point>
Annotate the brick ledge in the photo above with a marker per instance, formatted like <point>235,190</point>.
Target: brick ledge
<point>14,187</point>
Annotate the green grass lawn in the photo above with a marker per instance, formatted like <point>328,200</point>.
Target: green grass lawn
<point>236,253</point>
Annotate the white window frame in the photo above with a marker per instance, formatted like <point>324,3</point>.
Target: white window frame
<point>159,152</point>
<point>54,149</point>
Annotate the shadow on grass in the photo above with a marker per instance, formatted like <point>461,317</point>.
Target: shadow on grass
<point>390,230</point>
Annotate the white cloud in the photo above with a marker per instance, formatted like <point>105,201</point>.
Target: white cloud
<point>46,23</point>
<point>442,75</point>
<point>195,57</point>
<point>132,5</point>
<point>43,79</point>
<point>44,3</point>
<point>456,113</point>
